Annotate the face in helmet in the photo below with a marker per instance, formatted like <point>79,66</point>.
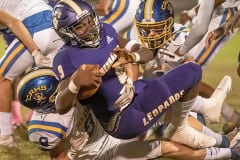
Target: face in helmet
<point>77,23</point>
<point>37,90</point>
<point>154,22</point>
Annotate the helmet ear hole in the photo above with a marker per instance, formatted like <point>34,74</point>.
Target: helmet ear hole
<point>37,90</point>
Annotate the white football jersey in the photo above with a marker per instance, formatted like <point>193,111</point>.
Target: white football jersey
<point>231,4</point>
<point>21,9</point>
<point>122,14</point>
<point>99,141</point>
<point>47,130</point>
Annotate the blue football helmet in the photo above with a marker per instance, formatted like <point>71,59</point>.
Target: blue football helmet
<point>37,90</point>
<point>76,23</point>
<point>154,21</point>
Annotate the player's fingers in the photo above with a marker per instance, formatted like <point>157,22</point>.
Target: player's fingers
<point>228,28</point>
<point>98,80</point>
<point>208,39</point>
<point>118,101</point>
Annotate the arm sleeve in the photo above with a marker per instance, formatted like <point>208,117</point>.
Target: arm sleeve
<point>200,27</point>
<point>48,130</point>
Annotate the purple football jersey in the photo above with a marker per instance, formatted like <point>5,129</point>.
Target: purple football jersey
<point>152,97</point>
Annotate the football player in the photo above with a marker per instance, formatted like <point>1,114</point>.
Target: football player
<point>36,16</point>
<point>116,100</point>
<point>78,134</point>
<point>206,17</point>
<point>157,31</point>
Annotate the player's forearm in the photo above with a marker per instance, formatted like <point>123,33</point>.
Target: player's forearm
<point>200,27</point>
<point>145,54</point>
<point>61,156</point>
<point>22,33</point>
<point>65,101</point>
<point>18,28</point>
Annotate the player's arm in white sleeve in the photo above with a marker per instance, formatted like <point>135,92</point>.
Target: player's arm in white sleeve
<point>22,33</point>
<point>45,133</point>
<point>199,28</point>
<point>51,132</point>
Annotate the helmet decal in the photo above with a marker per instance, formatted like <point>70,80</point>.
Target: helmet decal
<point>37,90</point>
<point>164,4</point>
<point>74,6</point>
<point>36,94</point>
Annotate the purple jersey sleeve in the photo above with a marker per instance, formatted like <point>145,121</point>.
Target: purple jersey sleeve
<point>70,58</point>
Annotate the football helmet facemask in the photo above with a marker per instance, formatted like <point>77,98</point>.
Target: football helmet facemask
<point>154,21</point>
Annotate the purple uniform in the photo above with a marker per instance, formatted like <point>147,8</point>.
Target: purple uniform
<point>152,96</point>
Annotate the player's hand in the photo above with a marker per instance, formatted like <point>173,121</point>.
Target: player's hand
<point>103,7</point>
<point>177,52</point>
<point>213,35</point>
<point>124,57</point>
<point>40,59</point>
<point>233,23</point>
<point>77,141</point>
<point>87,75</point>
<point>127,94</point>
<point>238,70</point>
<point>184,18</point>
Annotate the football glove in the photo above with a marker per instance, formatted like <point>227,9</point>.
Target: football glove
<point>40,59</point>
<point>126,95</point>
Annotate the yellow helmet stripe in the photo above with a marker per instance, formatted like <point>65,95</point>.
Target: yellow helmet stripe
<point>74,6</point>
<point>148,9</point>
<point>115,15</point>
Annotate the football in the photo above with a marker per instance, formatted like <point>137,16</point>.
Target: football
<point>86,92</point>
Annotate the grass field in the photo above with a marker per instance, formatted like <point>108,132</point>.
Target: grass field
<point>225,63</point>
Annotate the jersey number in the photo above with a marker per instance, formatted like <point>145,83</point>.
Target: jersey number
<point>60,70</point>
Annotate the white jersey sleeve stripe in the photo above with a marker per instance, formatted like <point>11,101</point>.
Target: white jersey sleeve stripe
<point>117,12</point>
<point>180,31</point>
<point>50,127</point>
<point>228,13</point>
<point>206,54</point>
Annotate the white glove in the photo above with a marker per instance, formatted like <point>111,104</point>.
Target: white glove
<point>77,141</point>
<point>127,94</point>
<point>40,59</point>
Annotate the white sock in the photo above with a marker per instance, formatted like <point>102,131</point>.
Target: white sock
<point>198,104</point>
<point>180,112</point>
<point>187,107</point>
<point>5,123</point>
<point>210,133</point>
<point>228,113</point>
<point>217,153</point>
<point>176,113</point>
